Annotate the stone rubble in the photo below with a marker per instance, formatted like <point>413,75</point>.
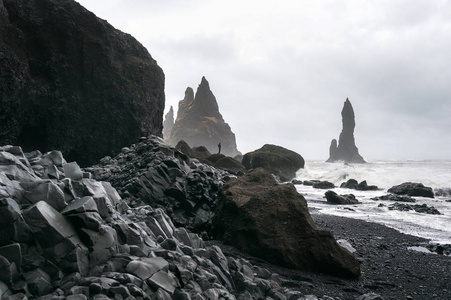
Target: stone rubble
<point>65,235</point>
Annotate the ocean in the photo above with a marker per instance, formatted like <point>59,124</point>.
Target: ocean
<point>385,174</point>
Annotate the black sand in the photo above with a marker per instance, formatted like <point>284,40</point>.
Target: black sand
<point>388,267</point>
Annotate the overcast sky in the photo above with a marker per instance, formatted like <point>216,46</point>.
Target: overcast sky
<point>281,70</point>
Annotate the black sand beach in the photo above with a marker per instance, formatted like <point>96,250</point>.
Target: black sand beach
<point>388,267</point>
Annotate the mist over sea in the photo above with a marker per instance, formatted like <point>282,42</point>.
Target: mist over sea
<point>385,174</point>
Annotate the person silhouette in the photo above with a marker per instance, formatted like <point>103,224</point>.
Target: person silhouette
<point>219,148</point>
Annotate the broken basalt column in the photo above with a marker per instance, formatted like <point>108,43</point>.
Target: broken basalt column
<point>346,149</point>
<point>89,244</point>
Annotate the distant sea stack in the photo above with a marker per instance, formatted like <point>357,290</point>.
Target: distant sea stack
<point>199,122</point>
<point>346,149</point>
<point>71,81</point>
<point>168,123</point>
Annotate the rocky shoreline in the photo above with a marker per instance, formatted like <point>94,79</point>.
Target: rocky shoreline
<point>389,268</point>
<point>138,226</point>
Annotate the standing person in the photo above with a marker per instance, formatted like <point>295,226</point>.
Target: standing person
<point>219,148</point>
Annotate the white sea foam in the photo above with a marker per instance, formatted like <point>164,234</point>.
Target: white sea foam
<point>385,174</point>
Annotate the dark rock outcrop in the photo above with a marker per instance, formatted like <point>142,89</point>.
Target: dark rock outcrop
<point>271,221</point>
<point>420,208</point>
<point>168,123</point>
<point>95,246</point>
<point>276,160</point>
<point>394,197</point>
<point>412,189</point>
<point>200,123</point>
<point>334,198</point>
<point>355,185</point>
<point>216,160</point>
<point>71,81</point>
<point>323,185</point>
<point>346,149</point>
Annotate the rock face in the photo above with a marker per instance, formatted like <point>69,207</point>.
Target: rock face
<point>200,123</point>
<point>272,221</point>
<point>346,149</point>
<point>71,81</point>
<point>168,123</point>
<point>275,159</point>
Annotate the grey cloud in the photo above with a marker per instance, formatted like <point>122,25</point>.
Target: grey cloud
<point>287,83</point>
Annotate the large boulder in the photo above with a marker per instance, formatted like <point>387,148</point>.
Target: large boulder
<point>272,221</point>
<point>334,198</point>
<point>200,123</point>
<point>71,81</point>
<point>412,189</point>
<point>275,159</point>
<point>346,150</point>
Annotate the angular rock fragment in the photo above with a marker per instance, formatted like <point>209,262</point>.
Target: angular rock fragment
<point>56,235</point>
<point>13,227</point>
<point>45,191</point>
<point>164,281</point>
<point>83,212</point>
<point>72,170</point>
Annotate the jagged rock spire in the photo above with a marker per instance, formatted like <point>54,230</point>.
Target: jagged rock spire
<point>168,122</point>
<point>346,149</point>
<point>199,122</point>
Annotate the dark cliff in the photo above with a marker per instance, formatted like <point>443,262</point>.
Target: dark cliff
<point>199,122</point>
<point>346,149</point>
<point>71,81</point>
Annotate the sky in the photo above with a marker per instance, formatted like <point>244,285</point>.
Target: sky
<point>281,69</point>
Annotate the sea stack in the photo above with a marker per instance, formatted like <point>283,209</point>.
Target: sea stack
<point>346,149</point>
<point>199,122</point>
<point>168,123</point>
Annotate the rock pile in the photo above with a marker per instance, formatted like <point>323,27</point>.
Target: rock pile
<point>420,208</point>
<point>153,173</point>
<point>393,197</point>
<point>66,235</point>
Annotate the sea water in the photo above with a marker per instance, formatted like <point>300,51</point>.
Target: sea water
<point>385,174</point>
